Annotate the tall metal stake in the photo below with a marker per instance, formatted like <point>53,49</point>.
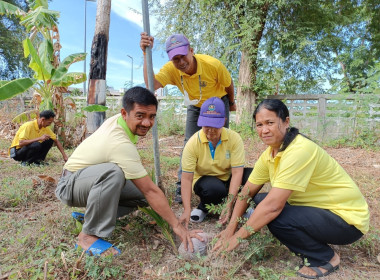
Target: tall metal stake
<point>145,12</point>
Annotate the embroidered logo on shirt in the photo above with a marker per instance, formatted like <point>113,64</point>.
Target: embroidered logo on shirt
<point>228,155</point>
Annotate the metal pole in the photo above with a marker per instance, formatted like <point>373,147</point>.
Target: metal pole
<point>84,67</point>
<point>145,12</point>
<point>131,70</point>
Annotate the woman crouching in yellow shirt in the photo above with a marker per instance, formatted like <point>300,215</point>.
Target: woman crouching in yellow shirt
<point>313,202</point>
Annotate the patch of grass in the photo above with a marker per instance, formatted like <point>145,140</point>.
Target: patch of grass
<point>366,139</point>
<point>369,243</point>
<point>17,193</point>
<point>169,122</point>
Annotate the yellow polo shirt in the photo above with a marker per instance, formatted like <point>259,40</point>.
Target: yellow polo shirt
<point>111,142</point>
<point>29,131</point>
<point>197,159</point>
<point>214,78</point>
<point>316,180</point>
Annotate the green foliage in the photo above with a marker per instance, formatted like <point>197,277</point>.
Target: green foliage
<point>48,76</point>
<point>245,128</point>
<point>170,120</point>
<point>101,268</point>
<point>8,89</point>
<point>192,270</point>
<point>95,108</point>
<point>76,92</point>
<point>21,195</point>
<point>369,243</point>
<point>13,65</point>
<point>164,225</point>
<point>289,47</point>
<point>267,273</point>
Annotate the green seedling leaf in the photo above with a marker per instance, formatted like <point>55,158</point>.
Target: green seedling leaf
<point>95,108</point>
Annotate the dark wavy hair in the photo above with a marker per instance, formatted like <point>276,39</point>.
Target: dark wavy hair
<point>139,95</point>
<point>278,107</point>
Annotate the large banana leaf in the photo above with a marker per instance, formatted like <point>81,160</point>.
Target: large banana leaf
<point>25,116</point>
<point>40,17</point>
<point>9,89</point>
<point>37,3</point>
<point>45,53</point>
<point>9,9</point>
<point>41,73</point>
<point>69,79</point>
<point>64,66</point>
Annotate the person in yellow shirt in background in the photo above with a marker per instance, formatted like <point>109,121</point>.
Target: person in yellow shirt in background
<point>197,76</point>
<point>313,202</point>
<point>34,139</point>
<point>213,163</point>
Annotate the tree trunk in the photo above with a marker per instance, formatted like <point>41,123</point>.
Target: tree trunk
<point>98,65</point>
<point>245,97</point>
<point>246,92</point>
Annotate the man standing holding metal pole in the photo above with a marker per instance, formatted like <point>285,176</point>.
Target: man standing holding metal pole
<point>197,76</point>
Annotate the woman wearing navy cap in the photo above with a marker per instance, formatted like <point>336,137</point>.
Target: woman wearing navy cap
<point>212,163</point>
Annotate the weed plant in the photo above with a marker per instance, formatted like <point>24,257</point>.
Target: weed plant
<point>170,120</point>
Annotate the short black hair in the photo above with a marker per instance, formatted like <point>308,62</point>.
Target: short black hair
<point>47,114</point>
<point>139,95</point>
<point>281,111</point>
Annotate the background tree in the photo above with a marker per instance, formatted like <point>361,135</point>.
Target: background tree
<point>287,47</point>
<point>13,64</point>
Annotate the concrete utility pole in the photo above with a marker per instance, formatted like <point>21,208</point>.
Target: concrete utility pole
<point>98,66</point>
<point>145,11</point>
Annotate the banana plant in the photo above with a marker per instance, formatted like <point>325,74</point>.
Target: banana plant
<point>51,77</point>
<point>47,78</point>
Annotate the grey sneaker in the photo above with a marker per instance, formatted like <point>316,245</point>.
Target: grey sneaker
<point>178,197</point>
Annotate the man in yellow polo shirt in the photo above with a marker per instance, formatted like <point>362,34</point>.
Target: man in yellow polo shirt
<point>34,139</point>
<point>197,76</point>
<point>105,174</point>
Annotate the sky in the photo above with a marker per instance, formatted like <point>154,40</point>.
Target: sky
<point>124,39</point>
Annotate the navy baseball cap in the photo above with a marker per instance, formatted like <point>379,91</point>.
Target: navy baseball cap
<point>212,113</point>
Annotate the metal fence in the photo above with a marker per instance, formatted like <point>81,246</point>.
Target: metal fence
<point>329,116</point>
<point>322,117</point>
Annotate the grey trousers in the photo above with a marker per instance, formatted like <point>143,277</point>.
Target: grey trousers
<point>105,193</point>
<point>192,127</point>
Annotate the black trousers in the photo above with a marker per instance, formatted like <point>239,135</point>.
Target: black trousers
<point>212,190</point>
<point>35,152</point>
<point>307,231</point>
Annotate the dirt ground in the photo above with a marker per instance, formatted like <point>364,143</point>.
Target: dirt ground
<point>359,261</point>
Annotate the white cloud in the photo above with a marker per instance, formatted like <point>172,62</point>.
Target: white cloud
<point>120,62</point>
<point>128,9</point>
